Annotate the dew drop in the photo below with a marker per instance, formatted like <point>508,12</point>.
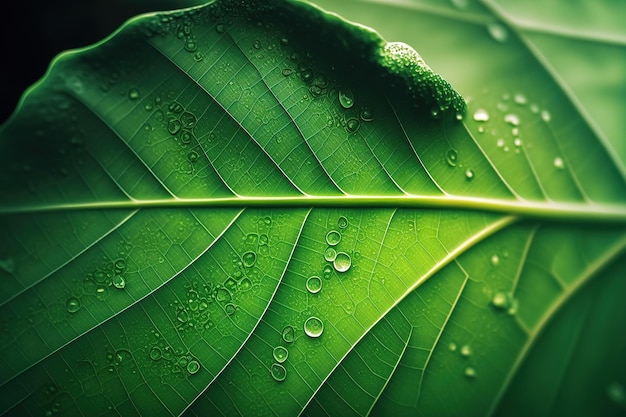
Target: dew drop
<point>470,372</point>
<point>284,41</point>
<point>452,346</point>
<point>133,94</point>
<point>500,143</point>
<point>545,116</point>
<point>512,119</point>
<point>279,373</point>
<point>481,115</point>
<point>558,163</point>
<point>346,98</point>
<point>313,327</point>
<point>244,285</point>
<point>176,107</point>
<point>465,351</point>
<point>223,295</point>
<point>249,259</point>
<point>173,126</point>
<point>519,98</point>
<point>306,75</point>
<point>352,125</point>
<point>220,28</point>
<point>191,45</point>
<point>252,238</point>
<point>327,271</point>
<point>72,304</point>
<point>452,157</point>
<point>314,284</point>
<point>119,281</point>
<point>192,156</point>
<point>333,238</point>
<point>498,32</point>
<point>342,262</point>
<point>188,120</point>
<point>193,366</point>
<point>280,354</point>
<point>505,301</point>
<point>342,223</point>
<point>155,353</point>
<point>288,334</point>
<point>495,260</point>
<point>469,174</point>
<point>367,116</point>
<point>517,142</point>
<point>230,309</point>
<point>330,254</point>
<point>120,264</point>
<point>182,316</point>
<point>257,44</point>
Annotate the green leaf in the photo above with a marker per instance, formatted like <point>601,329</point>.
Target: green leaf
<point>261,208</point>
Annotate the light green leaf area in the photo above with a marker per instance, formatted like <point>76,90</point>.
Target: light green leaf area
<point>263,209</point>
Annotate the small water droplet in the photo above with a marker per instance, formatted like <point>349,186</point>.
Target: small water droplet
<point>193,366</point>
<point>327,271</point>
<point>287,72</point>
<point>119,281</point>
<point>333,237</point>
<point>469,174</point>
<point>512,119</point>
<point>466,351</point>
<point>314,284</point>
<point>191,45</point>
<point>505,301</point>
<point>545,116</point>
<point>352,125</point>
<point>367,116</point>
<point>279,373</point>
<point>133,94</point>
<point>558,163</point>
<point>452,346</point>
<point>288,334</point>
<point>495,260</point>
<point>72,304</point>
<point>284,41</point>
<point>346,98</point>
<point>220,28</point>
<point>470,372</point>
<point>342,262</point>
<point>280,354</point>
<point>517,142</point>
<point>330,254</point>
<point>230,309</point>
<point>173,126</point>
<point>307,75</point>
<point>342,223</point>
<point>244,285</point>
<point>481,115</point>
<point>249,259</point>
<point>257,44</point>
<point>519,98</point>
<point>188,120</point>
<point>155,353</point>
<point>313,327</point>
<point>452,157</point>
<point>223,295</point>
<point>498,32</point>
<point>500,143</point>
<point>182,316</point>
<point>192,156</point>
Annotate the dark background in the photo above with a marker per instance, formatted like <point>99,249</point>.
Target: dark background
<point>35,31</point>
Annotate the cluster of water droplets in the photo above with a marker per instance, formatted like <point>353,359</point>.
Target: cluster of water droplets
<point>167,360</point>
<point>464,351</point>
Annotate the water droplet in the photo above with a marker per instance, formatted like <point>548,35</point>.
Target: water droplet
<point>367,116</point>
<point>173,126</point>
<point>481,115</point>
<point>352,125</point>
<point>287,72</point>
<point>452,157</point>
<point>505,301</point>
<point>342,223</point>
<point>263,239</point>
<point>495,260</point>
<point>72,304</point>
<point>223,295</point>
<point>327,271</point>
<point>280,354</point>
<point>198,56</point>
<point>512,119</point>
<point>498,32</point>
<point>220,28</point>
<point>257,44</point>
<point>230,309</point>
<point>313,327</point>
<point>545,116</point>
<point>155,353</point>
<point>517,142</point>
<point>346,98</point>
<point>245,284</point>
<point>231,284</point>
<point>284,41</point>
<point>500,143</point>
<point>182,316</point>
<point>470,372</point>
<point>279,373</point>
<point>133,94</point>
<point>289,334</point>
<point>102,292</point>
<point>193,366</point>
<point>191,45</point>
<point>452,346</point>
<point>249,259</point>
<point>469,174</point>
<point>188,120</point>
<point>119,281</point>
<point>306,75</point>
<point>558,163</point>
<point>330,254</point>
<point>519,98</point>
<point>466,351</point>
<point>314,284</point>
<point>333,237</point>
<point>192,156</point>
<point>342,262</point>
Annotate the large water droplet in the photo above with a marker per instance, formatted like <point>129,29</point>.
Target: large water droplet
<point>466,350</point>
<point>314,284</point>
<point>342,262</point>
<point>249,259</point>
<point>481,115</point>
<point>155,353</point>
<point>342,223</point>
<point>498,32</point>
<point>346,98</point>
<point>279,373</point>
<point>330,254</point>
<point>72,304</point>
<point>558,163</point>
<point>119,281</point>
<point>333,238</point>
<point>289,334</point>
<point>280,354</point>
<point>512,119</point>
<point>193,366</point>
<point>313,327</point>
<point>452,157</point>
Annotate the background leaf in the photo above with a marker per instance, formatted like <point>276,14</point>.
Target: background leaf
<point>212,291</point>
